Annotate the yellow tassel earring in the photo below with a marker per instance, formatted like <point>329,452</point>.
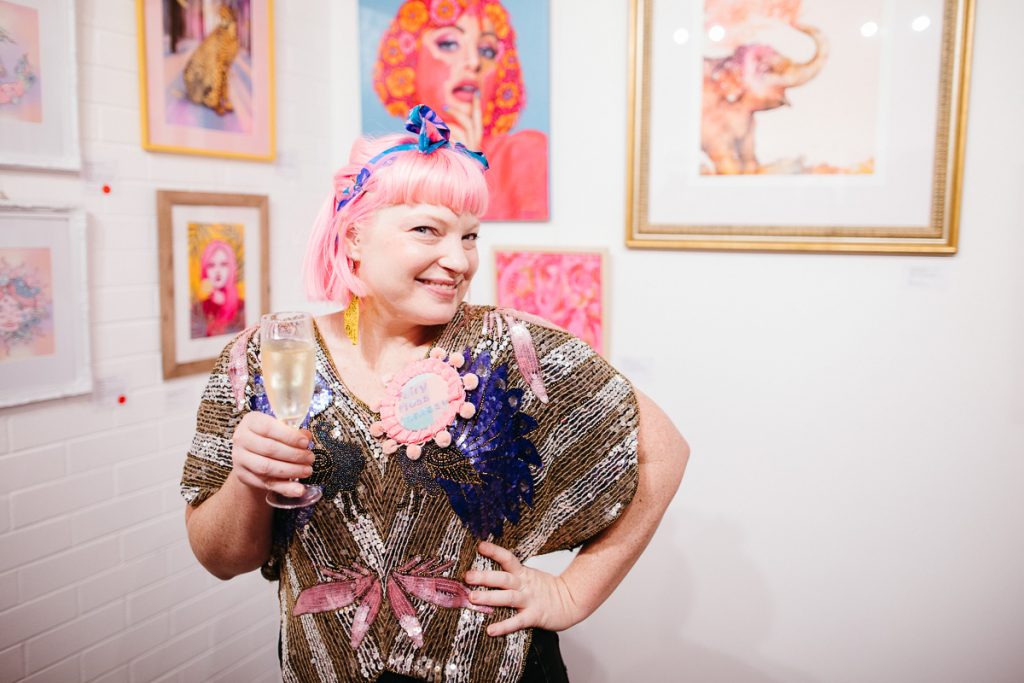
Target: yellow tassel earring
<point>352,320</point>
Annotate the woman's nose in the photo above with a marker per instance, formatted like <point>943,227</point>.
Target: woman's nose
<point>472,58</point>
<point>454,258</point>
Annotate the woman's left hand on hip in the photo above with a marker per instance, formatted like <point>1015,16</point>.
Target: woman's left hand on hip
<point>542,600</point>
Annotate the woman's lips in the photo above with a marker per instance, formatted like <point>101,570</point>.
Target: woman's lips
<point>443,290</point>
<point>465,91</point>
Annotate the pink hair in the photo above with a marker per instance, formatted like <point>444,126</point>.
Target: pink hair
<point>220,316</point>
<point>445,177</point>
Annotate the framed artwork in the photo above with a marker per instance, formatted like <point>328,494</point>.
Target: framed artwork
<point>483,67</point>
<point>38,88</point>
<point>565,286</point>
<point>206,77</point>
<point>214,267</point>
<point>798,125</point>
<point>44,305</point>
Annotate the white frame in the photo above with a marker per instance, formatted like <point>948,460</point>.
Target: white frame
<point>67,372</point>
<point>36,145</point>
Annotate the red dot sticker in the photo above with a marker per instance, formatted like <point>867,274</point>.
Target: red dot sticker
<point>121,399</point>
<point>106,189</point>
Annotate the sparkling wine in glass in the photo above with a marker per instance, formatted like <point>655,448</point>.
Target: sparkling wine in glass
<point>288,359</point>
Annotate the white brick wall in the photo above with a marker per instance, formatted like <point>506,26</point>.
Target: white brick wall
<point>97,582</point>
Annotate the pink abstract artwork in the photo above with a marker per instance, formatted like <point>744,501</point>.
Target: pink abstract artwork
<point>564,288</point>
<point>20,82</point>
<point>26,304</point>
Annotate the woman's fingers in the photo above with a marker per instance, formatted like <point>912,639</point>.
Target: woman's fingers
<point>288,489</point>
<point>497,598</point>
<point>285,487</point>
<point>460,120</point>
<point>272,468</point>
<point>510,625</point>
<point>478,117</point>
<point>470,123</point>
<point>502,556</point>
<point>268,427</point>
<point>493,579</point>
<point>269,448</point>
<point>267,454</point>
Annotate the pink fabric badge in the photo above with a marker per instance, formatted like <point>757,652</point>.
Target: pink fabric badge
<point>422,401</point>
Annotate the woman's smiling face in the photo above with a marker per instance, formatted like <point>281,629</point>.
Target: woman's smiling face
<point>417,261</point>
<point>456,62</point>
<point>218,269</point>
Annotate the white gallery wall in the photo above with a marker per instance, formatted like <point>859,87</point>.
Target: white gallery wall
<point>850,512</point>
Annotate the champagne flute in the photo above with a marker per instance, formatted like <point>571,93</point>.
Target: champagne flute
<point>287,356</point>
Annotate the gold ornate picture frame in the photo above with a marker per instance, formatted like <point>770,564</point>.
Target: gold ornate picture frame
<point>805,126</point>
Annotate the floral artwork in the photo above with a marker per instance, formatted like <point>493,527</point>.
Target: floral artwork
<point>44,305</point>
<point>20,76</point>
<point>216,261</point>
<point>565,288</point>
<point>780,88</point>
<point>26,304</point>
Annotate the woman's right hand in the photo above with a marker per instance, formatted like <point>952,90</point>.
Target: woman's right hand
<point>467,127</point>
<point>266,454</point>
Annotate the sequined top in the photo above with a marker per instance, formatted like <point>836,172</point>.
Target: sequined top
<point>370,577</point>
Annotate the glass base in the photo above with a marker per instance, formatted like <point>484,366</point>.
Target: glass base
<point>312,495</point>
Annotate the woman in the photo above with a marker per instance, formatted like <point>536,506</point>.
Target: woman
<point>220,309</point>
<point>536,449</point>
<point>460,58</point>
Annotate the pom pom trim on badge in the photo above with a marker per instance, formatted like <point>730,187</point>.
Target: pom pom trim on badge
<point>421,401</point>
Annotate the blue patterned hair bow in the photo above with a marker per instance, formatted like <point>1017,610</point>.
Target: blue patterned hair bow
<point>433,134</point>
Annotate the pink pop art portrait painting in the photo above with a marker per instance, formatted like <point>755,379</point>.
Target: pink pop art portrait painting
<point>564,287</point>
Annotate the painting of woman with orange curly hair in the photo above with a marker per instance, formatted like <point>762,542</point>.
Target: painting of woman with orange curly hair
<point>483,66</point>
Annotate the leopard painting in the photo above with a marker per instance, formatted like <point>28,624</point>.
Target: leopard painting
<point>206,73</point>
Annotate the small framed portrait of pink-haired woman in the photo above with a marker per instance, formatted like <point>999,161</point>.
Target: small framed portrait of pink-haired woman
<point>213,274</point>
<point>483,66</point>
<point>798,125</point>
<point>206,77</point>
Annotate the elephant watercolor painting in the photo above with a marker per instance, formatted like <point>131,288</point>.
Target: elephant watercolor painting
<point>772,74</point>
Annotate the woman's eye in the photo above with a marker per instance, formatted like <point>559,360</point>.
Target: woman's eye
<point>488,52</point>
<point>472,237</point>
<point>447,45</point>
<point>425,230</point>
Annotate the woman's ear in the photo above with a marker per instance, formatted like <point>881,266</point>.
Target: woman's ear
<point>352,245</point>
